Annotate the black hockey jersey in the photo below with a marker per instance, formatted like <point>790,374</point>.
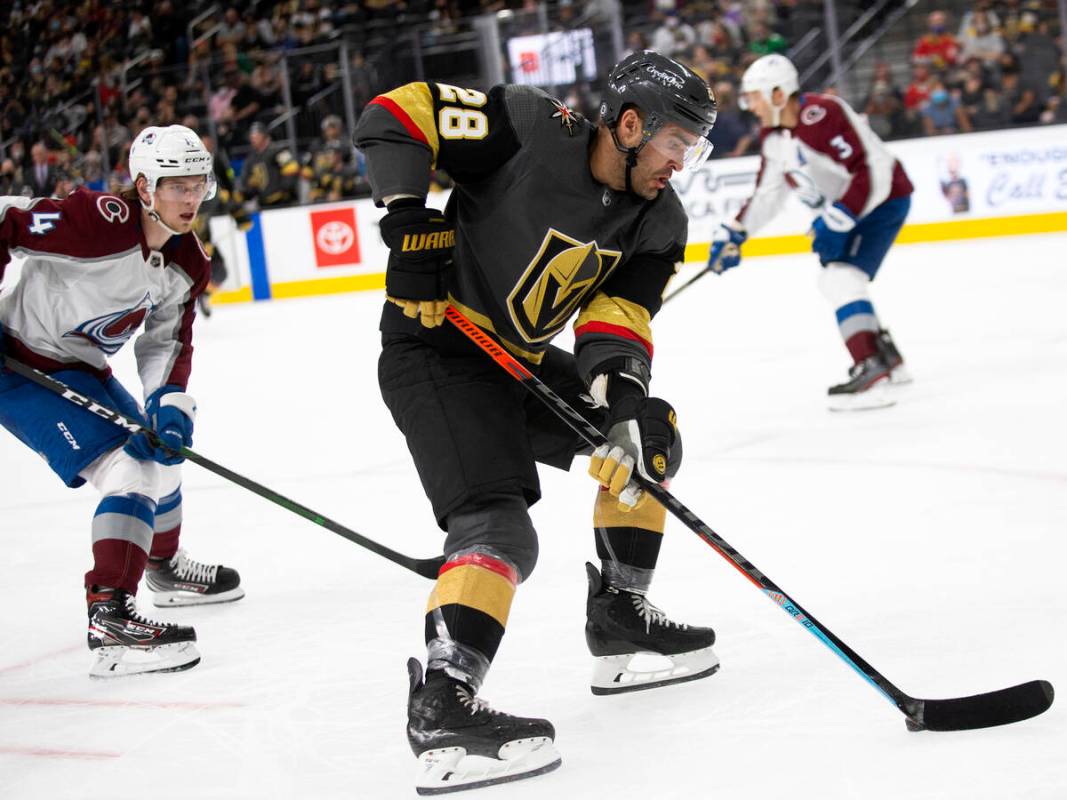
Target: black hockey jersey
<point>538,239</point>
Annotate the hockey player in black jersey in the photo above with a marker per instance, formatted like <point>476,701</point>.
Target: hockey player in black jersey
<point>552,217</point>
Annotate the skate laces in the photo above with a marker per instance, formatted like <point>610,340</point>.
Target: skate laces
<point>136,616</point>
<point>653,615</point>
<point>191,569</point>
<point>475,704</point>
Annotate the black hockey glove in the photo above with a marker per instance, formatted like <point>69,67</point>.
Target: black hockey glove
<point>641,433</point>
<point>420,245</point>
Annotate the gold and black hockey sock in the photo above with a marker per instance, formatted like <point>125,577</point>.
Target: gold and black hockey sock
<point>466,614</point>
<point>628,542</point>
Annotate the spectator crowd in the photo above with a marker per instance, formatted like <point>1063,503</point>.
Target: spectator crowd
<point>80,80</point>
<point>1001,67</point>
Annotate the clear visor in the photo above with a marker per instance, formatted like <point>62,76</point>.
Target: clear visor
<point>188,189</point>
<point>685,149</point>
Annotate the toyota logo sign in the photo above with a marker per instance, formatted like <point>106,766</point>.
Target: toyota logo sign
<point>335,237</point>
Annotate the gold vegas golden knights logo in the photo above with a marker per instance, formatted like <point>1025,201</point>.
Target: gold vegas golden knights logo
<point>555,282</point>
<point>659,463</point>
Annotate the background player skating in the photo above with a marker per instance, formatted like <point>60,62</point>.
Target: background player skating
<point>818,147</point>
<point>551,216</point>
<point>96,267</point>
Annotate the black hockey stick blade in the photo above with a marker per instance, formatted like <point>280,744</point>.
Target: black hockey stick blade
<point>1002,707</point>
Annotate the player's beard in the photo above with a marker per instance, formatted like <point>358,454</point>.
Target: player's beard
<point>648,186</point>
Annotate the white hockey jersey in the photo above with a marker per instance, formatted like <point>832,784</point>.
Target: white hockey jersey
<point>832,155</point>
<point>88,283</point>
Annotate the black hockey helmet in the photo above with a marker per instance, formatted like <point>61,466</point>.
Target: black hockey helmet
<point>664,90</point>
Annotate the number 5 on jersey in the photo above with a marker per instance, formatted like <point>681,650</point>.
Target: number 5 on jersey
<point>465,121</point>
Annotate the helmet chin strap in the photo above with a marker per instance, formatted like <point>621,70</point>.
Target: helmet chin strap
<point>776,111</point>
<point>776,116</point>
<point>150,209</point>
<point>631,157</point>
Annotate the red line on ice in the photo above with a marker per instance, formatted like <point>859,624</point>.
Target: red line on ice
<point>39,659</point>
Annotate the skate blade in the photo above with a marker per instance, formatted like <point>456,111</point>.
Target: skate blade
<point>878,396</point>
<point>450,769</point>
<point>614,675</point>
<point>118,661</point>
<point>172,599</point>
<point>900,376</point>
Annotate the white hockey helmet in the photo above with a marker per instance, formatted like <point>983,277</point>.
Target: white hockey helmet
<point>168,152</point>
<point>768,73</point>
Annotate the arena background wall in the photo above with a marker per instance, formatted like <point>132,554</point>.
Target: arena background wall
<point>1014,182</point>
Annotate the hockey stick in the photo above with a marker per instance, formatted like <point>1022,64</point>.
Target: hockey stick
<point>962,713</point>
<point>695,278</point>
<point>426,567</point>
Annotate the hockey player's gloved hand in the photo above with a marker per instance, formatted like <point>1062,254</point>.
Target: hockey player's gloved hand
<point>420,243</point>
<point>641,433</point>
<point>726,247</point>
<point>831,231</point>
<point>170,413</point>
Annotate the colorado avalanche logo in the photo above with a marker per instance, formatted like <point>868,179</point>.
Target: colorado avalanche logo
<point>111,331</point>
<point>804,187</point>
<point>112,209</point>
<point>812,115</point>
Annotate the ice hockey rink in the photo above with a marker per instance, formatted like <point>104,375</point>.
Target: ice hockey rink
<point>931,537</point>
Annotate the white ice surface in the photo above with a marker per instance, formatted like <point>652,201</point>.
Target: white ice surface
<point>929,536</point>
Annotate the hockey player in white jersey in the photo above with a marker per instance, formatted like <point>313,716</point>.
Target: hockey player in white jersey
<point>97,267</point>
<point>816,146</point>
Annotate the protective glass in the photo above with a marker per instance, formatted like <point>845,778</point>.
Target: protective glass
<point>178,192</point>
<point>683,147</point>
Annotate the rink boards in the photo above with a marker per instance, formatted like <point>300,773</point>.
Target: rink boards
<point>1002,183</point>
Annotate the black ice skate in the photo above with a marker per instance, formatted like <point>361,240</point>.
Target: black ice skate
<point>125,643</point>
<point>621,624</point>
<point>898,373</point>
<point>462,743</point>
<point>866,387</point>
<point>183,581</point>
